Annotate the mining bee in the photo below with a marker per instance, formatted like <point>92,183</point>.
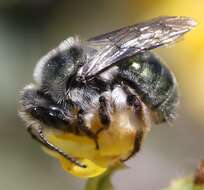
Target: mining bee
<point>83,79</point>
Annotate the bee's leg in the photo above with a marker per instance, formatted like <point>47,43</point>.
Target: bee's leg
<point>82,127</point>
<point>132,100</point>
<point>137,144</point>
<point>104,114</point>
<point>39,137</point>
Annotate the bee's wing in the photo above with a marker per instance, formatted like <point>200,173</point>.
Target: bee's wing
<point>128,41</point>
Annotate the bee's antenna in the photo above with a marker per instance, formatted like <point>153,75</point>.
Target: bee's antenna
<point>42,140</point>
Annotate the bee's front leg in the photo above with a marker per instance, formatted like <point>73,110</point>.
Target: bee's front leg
<point>104,116</point>
<point>82,127</point>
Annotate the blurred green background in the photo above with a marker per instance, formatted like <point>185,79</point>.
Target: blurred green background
<point>29,28</point>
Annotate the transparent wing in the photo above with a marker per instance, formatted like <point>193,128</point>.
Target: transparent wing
<point>128,41</point>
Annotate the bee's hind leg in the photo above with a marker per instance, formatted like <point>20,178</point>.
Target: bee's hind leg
<point>133,100</point>
<point>137,144</point>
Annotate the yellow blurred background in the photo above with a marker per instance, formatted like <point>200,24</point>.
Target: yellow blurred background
<point>29,28</point>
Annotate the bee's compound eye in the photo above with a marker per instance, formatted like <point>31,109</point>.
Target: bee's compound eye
<point>55,112</point>
<point>52,115</point>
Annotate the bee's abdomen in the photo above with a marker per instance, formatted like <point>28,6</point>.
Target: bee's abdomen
<point>153,82</point>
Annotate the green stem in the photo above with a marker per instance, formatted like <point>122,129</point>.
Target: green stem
<point>103,182</point>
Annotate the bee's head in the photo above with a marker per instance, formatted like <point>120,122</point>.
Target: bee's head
<point>50,100</point>
<point>55,70</point>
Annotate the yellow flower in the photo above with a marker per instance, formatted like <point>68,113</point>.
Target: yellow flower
<point>115,144</point>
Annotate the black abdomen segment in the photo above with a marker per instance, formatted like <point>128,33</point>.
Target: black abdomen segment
<point>153,82</point>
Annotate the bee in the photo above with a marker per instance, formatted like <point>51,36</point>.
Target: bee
<point>83,79</point>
